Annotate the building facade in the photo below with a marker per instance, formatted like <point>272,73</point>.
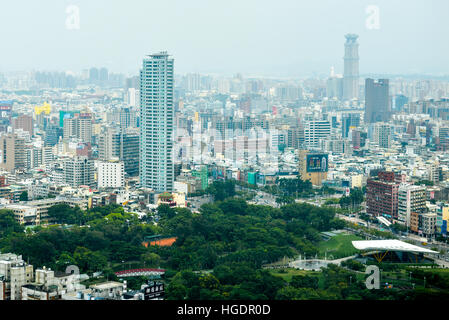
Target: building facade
<point>156,130</point>
<point>377,101</point>
<point>79,171</point>
<point>313,166</point>
<point>382,135</point>
<point>14,273</point>
<point>411,198</point>
<point>382,196</point>
<point>79,127</point>
<point>111,174</point>
<point>12,152</point>
<point>315,131</point>
<point>351,68</point>
<point>24,122</point>
<point>114,143</point>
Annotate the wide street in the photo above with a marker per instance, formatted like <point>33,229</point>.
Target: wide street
<point>197,202</point>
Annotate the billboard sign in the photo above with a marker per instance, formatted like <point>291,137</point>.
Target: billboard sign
<point>6,105</point>
<point>155,290</point>
<point>63,114</point>
<point>317,163</point>
<point>5,109</point>
<point>347,192</point>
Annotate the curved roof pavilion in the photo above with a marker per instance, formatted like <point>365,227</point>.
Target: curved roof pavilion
<point>389,245</point>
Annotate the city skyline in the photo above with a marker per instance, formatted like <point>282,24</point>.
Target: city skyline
<point>299,152</point>
<point>227,46</point>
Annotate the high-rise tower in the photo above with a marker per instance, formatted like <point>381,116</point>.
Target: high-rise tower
<point>351,72</point>
<point>377,100</point>
<point>156,129</point>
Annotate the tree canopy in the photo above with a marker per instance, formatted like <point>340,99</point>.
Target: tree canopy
<point>220,252</point>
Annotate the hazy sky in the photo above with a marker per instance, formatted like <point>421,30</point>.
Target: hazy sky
<point>258,37</point>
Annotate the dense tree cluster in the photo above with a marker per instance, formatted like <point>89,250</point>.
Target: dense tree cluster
<point>224,237</point>
<point>221,190</point>
<point>234,231</point>
<point>237,281</point>
<point>287,189</point>
<point>23,196</point>
<point>8,224</point>
<point>354,199</point>
<point>219,252</point>
<point>106,235</point>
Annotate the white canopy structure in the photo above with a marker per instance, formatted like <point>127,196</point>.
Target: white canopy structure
<point>384,221</point>
<point>389,245</point>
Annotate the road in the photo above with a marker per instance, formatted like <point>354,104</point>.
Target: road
<point>197,202</point>
<point>441,262</point>
<point>354,219</point>
<point>261,198</point>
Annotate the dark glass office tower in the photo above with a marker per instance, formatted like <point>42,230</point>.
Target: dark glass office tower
<point>377,101</point>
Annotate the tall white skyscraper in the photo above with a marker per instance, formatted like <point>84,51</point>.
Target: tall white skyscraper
<point>351,68</point>
<point>156,128</point>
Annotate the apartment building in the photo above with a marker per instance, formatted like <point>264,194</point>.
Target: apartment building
<point>14,273</point>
